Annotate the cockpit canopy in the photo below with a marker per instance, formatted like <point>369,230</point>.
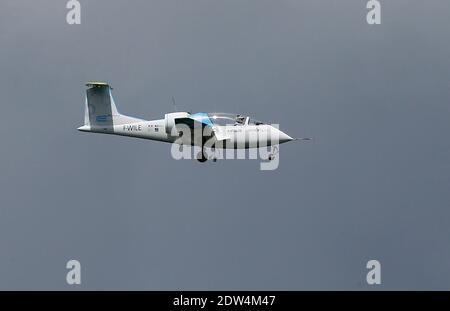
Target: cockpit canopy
<point>220,118</point>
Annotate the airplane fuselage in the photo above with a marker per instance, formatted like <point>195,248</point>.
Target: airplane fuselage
<point>238,136</point>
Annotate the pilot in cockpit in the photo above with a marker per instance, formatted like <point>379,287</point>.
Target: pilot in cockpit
<point>240,120</point>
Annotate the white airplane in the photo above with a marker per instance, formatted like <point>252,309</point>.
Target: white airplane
<point>217,130</point>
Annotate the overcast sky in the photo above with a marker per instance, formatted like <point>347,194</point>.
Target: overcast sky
<point>374,183</point>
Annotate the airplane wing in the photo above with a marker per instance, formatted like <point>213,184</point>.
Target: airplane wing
<point>193,123</point>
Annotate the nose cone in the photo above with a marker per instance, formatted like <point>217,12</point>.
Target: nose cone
<point>283,137</point>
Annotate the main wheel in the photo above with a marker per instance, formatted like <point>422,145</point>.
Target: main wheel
<point>201,157</point>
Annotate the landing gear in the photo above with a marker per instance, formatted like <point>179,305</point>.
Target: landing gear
<point>213,149</point>
<point>272,155</point>
<point>201,156</point>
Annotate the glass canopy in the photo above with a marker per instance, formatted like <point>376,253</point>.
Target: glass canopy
<point>220,118</point>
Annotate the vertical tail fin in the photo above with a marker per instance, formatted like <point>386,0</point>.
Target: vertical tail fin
<point>100,110</point>
<point>100,106</point>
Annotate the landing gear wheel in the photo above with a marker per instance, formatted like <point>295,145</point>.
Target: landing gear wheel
<point>201,157</point>
<point>213,149</point>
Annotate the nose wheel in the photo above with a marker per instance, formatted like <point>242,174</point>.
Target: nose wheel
<point>272,155</point>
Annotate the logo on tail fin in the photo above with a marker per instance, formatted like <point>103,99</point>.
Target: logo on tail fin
<point>103,118</point>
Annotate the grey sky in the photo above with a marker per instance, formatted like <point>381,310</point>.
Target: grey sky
<point>374,184</point>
